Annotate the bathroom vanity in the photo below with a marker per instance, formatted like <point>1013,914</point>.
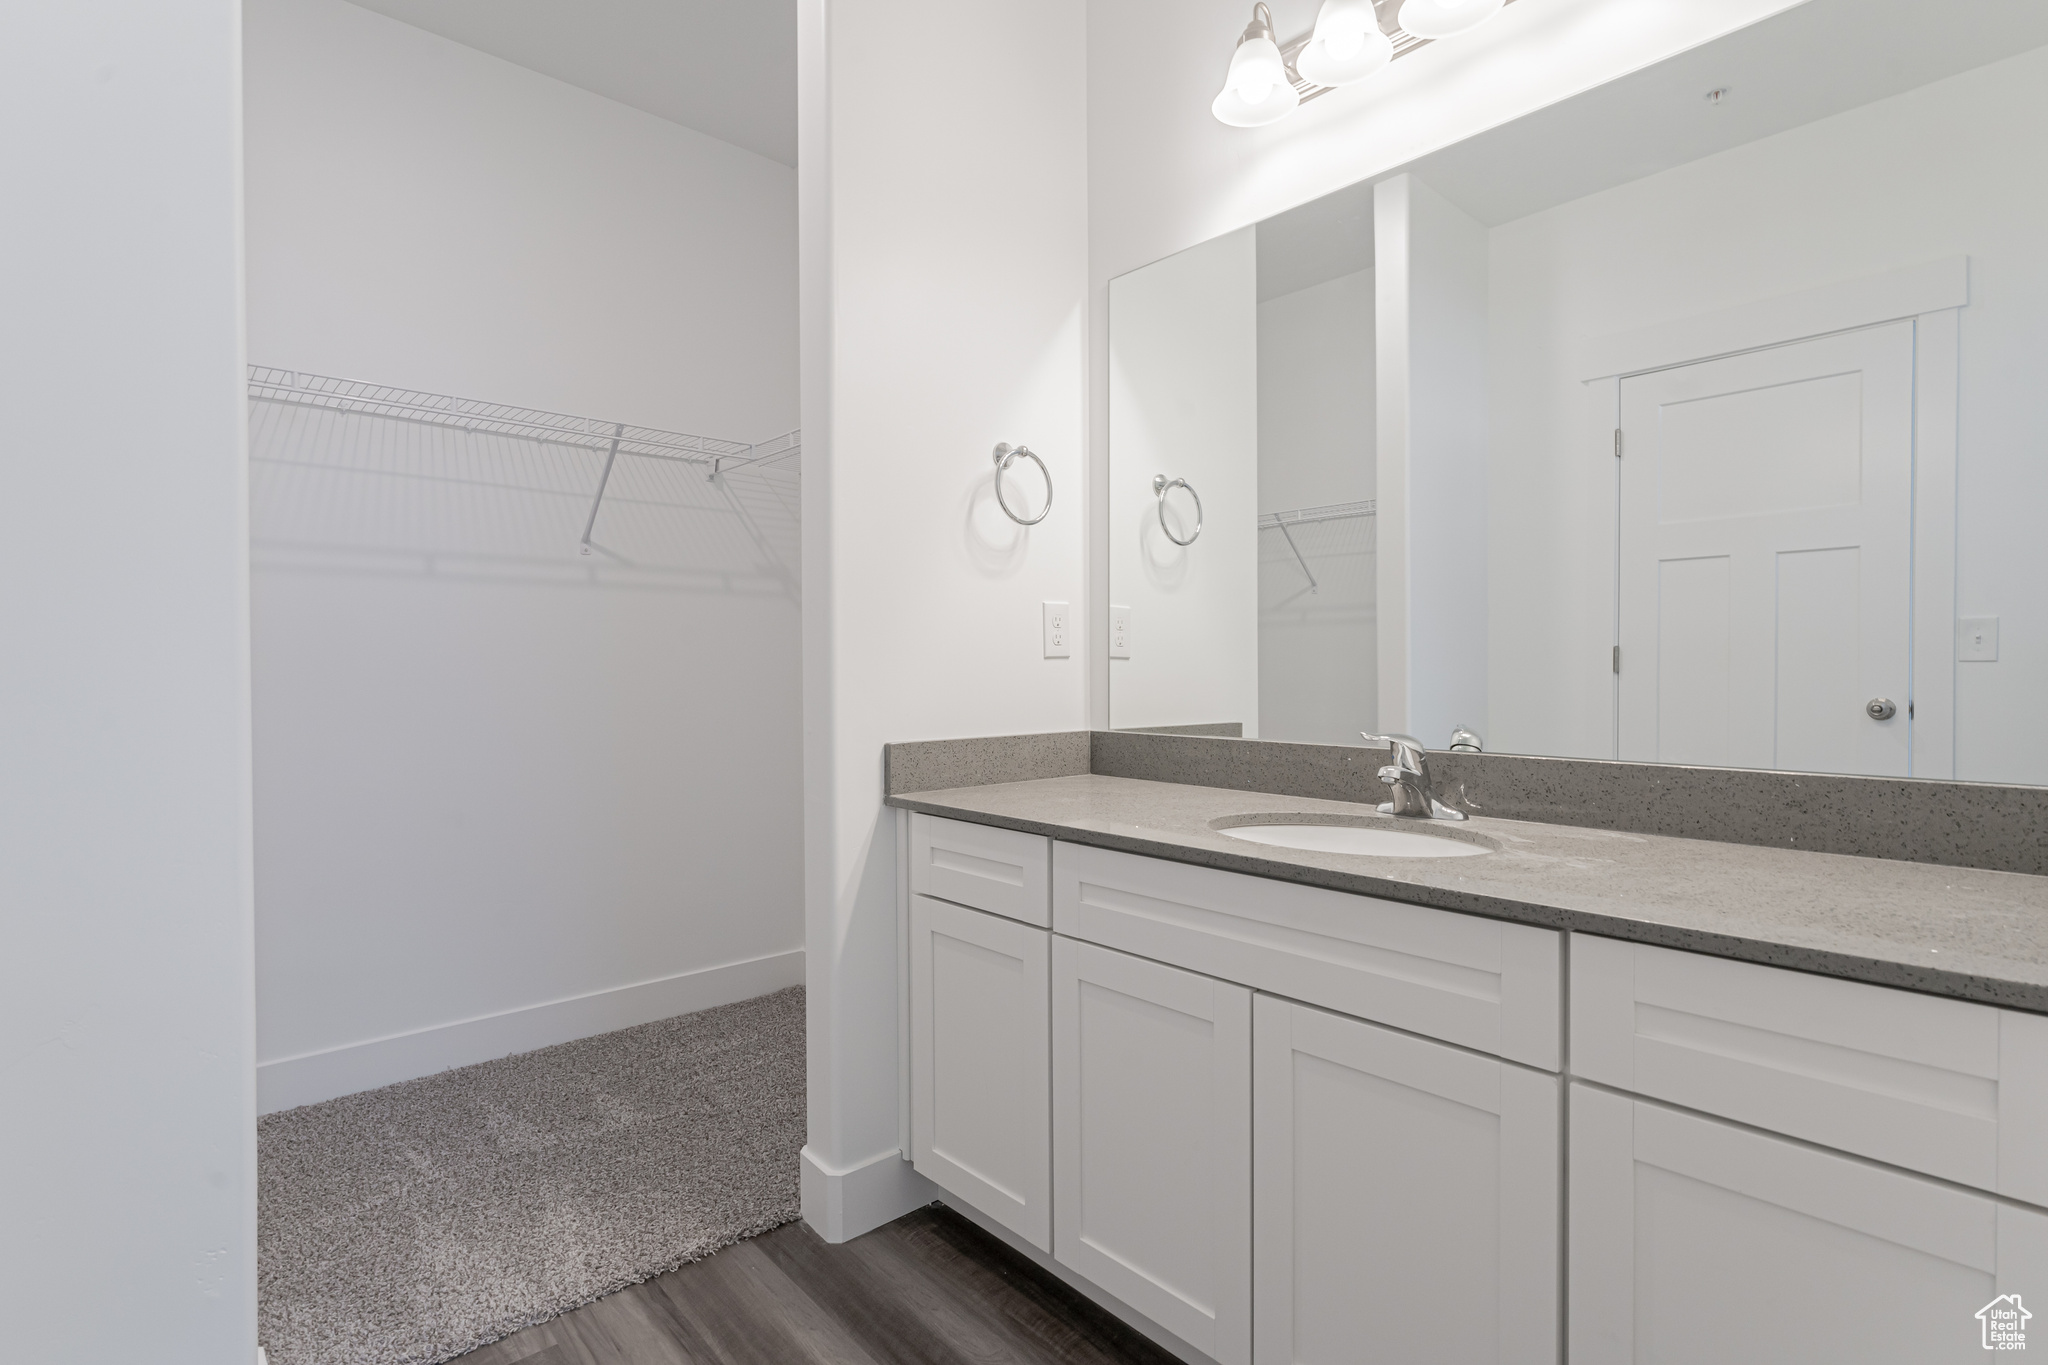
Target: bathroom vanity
<point>1580,1093</point>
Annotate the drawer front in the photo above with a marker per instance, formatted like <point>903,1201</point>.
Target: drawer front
<point>1946,1087</point>
<point>997,870</point>
<point>1483,984</point>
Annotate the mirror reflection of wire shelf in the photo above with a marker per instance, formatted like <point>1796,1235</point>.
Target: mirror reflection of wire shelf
<point>1363,513</point>
<point>364,474</point>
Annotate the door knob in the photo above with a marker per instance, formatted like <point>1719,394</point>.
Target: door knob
<point>1880,708</point>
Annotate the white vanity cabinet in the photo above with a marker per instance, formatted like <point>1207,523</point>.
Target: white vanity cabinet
<point>1405,1196</point>
<point>979,1087</point>
<point>1152,1142</point>
<point>1292,1125</point>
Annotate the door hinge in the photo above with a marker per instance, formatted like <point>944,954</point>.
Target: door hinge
<point>1617,443</point>
<point>1617,658</point>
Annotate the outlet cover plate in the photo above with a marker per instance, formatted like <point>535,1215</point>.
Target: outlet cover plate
<point>1058,636</point>
<point>1119,632</point>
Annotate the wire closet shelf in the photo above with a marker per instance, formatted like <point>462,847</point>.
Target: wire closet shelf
<point>1366,509</point>
<point>718,458</point>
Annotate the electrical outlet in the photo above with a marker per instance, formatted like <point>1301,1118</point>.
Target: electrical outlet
<point>1057,635</point>
<point>1119,632</point>
<point>1977,640</point>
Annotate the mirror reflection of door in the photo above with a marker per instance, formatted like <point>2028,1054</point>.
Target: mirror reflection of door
<point>1766,557</point>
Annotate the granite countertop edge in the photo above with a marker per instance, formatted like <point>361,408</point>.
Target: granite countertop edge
<point>1992,987</point>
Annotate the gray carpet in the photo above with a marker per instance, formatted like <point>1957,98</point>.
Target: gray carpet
<point>406,1225</point>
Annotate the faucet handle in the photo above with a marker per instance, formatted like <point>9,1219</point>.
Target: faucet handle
<point>1408,750</point>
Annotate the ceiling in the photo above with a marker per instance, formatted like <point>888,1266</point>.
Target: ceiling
<point>725,69</point>
<point>1814,60</point>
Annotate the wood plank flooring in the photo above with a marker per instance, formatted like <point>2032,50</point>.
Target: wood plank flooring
<point>931,1288</point>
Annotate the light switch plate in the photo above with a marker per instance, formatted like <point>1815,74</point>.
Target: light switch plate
<point>1057,636</point>
<point>1977,640</point>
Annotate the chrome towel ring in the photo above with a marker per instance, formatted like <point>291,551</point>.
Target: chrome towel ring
<point>1161,486</point>
<point>1006,453</point>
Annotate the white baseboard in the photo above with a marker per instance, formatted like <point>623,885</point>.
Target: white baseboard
<point>842,1204</point>
<point>311,1077</point>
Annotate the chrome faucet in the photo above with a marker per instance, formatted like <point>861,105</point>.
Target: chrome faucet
<point>1408,776</point>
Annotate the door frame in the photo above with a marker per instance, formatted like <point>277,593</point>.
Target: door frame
<point>1931,295</point>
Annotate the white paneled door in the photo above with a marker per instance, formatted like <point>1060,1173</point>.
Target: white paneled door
<point>980,1117</point>
<point>1766,557</point>
<point>1152,1158</point>
<point>1405,1197</point>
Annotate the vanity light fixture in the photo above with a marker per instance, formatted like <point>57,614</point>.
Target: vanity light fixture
<point>1259,88</point>
<point>1347,45</point>
<point>1446,18</point>
<point>1268,79</point>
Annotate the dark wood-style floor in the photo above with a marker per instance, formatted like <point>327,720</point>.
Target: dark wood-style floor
<point>929,1289</point>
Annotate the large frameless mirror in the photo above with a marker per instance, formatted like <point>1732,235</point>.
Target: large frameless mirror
<point>1698,419</point>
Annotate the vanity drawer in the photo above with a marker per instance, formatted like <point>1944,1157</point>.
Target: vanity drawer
<point>1946,1087</point>
<point>997,870</point>
<point>1479,983</point>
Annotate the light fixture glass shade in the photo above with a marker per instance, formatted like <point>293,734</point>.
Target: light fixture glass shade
<point>1446,18</point>
<point>1348,45</point>
<point>1257,89</point>
<point>1341,26</point>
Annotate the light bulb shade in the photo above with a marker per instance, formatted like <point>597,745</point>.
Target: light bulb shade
<point>1315,62</point>
<point>1340,23</point>
<point>1446,18</point>
<point>1231,108</point>
<point>1256,69</point>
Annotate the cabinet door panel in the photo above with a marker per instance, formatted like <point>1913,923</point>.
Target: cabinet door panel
<point>1697,1241</point>
<point>979,1049</point>
<point>1152,1138</point>
<point>1480,983</point>
<point>1405,1197</point>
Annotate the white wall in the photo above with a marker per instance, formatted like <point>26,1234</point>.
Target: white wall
<point>1431,406</point>
<point>127,1156</point>
<point>507,794</point>
<point>1184,402</point>
<point>944,242</point>
<point>1958,167</point>
<point>1164,174</point>
<point>1318,678</point>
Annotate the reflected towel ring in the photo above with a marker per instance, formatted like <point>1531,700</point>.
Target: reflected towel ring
<point>1161,485</point>
<point>1006,453</point>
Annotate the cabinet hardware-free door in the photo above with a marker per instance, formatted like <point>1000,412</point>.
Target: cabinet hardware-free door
<point>1152,1141</point>
<point>1696,1241</point>
<point>979,1112</point>
<point>1405,1197</point>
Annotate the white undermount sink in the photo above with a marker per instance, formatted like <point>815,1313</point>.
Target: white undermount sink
<point>1375,841</point>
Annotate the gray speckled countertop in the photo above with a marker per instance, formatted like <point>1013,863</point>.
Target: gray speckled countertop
<point>1955,931</point>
